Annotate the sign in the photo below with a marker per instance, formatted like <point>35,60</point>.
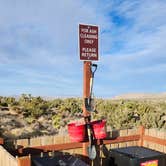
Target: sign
<point>150,163</point>
<point>88,42</point>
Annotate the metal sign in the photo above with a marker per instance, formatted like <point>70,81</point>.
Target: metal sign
<point>88,42</point>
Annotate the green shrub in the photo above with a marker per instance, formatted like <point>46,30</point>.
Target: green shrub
<point>56,120</point>
<point>118,113</point>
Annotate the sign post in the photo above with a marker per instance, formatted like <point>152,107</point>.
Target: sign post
<point>88,49</point>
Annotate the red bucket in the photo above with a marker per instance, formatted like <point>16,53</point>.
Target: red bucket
<point>76,132</point>
<point>99,128</point>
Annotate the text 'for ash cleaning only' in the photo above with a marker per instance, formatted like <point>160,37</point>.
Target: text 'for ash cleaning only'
<point>88,42</point>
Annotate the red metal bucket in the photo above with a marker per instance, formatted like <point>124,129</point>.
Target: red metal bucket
<point>76,132</point>
<point>99,128</point>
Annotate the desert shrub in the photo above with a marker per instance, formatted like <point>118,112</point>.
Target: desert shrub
<point>56,103</point>
<point>56,120</point>
<point>71,105</point>
<point>118,113</point>
<point>128,113</point>
<point>30,119</point>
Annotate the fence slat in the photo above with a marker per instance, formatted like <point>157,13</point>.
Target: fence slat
<point>152,132</point>
<point>123,133</point>
<point>160,134</point>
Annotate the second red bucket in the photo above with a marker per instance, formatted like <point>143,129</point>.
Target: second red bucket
<point>99,128</point>
<point>76,132</point>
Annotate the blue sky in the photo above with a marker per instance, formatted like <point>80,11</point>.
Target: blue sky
<point>39,46</point>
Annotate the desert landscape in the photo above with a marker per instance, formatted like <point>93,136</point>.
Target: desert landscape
<point>29,116</point>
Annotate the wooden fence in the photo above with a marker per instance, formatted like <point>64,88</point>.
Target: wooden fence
<point>161,134</point>
<point>62,139</point>
<point>6,159</point>
<point>152,138</point>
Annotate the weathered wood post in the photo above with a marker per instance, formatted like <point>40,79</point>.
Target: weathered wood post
<point>142,133</point>
<point>86,85</point>
<point>24,161</point>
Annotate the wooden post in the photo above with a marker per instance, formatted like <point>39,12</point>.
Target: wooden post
<point>86,85</point>
<point>142,133</point>
<point>86,94</point>
<point>24,161</point>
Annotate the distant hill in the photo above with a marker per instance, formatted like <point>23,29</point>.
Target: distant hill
<point>141,96</point>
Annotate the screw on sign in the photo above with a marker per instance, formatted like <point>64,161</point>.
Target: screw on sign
<point>150,163</point>
<point>88,42</point>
